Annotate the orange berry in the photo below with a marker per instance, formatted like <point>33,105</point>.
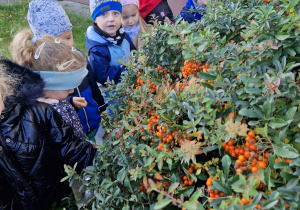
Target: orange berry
<point>252,147</point>
<point>191,182</point>
<point>186,182</point>
<point>242,151</point>
<point>254,169</point>
<point>251,134</point>
<point>247,138</point>
<point>277,160</point>
<point>192,165</point>
<point>261,164</point>
<point>241,158</point>
<point>244,200</point>
<point>190,170</point>
<point>266,155</point>
<point>288,160</point>
<point>184,178</point>
<point>247,154</point>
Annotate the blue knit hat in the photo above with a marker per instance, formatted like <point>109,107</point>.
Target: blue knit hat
<point>98,7</point>
<point>47,17</point>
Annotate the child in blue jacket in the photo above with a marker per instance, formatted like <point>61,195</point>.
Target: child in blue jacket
<point>193,10</point>
<point>47,17</point>
<point>106,41</point>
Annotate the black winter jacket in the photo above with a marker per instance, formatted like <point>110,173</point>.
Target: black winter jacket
<point>35,143</point>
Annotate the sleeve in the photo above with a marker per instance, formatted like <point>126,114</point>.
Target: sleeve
<point>100,63</point>
<point>97,96</point>
<point>69,148</point>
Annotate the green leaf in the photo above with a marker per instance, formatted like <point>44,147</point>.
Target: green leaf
<point>169,161</point>
<point>292,183</point>
<point>249,113</point>
<point>290,113</point>
<point>121,174</point>
<point>226,162</point>
<point>257,198</point>
<point>196,195</point>
<point>277,123</point>
<point>173,41</point>
<point>206,76</point>
<point>173,187</point>
<point>64,179</point>
<point>149,161</point>
<point>242,179</point>
<point>270,203</point>
<point>187,191</point>
<point>162,204</point>
<point>290,51</point>
<point>280,165</point>
<point>285,150</point>
<point>218,185</point>
<point>152,183</point>
<point>293,4</point>
<point>282,36</point>
<point>190,205</point>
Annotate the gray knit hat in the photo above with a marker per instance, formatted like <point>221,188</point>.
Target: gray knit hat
<point>47,17</point>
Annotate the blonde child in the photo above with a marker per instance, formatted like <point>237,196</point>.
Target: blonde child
<point>47,17</point>
<point>60,65</point>
<point>132,21</point>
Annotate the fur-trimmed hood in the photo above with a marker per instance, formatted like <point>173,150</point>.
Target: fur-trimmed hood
<point>30,87</point>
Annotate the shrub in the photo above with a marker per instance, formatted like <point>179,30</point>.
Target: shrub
<point>207,115</point>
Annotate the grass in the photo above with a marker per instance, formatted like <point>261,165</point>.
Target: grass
<point>13,18</point>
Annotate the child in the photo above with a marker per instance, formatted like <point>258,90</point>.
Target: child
<point>35,143</point>
<point>48,17</point>
<point>132,21</point>
<point>106,41</point>
<point>60,65</point>
<point>159,8</point>
<point>198,10</point>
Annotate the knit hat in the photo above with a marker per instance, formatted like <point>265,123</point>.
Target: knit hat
<point>47,17</point>
<point>126,2</point>
<point>98,7</point>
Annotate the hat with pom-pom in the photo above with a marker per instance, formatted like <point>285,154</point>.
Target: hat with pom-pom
<point>98,7</point>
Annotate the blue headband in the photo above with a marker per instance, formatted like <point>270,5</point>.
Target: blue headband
<point>107,6</point>
<point>63,80</point>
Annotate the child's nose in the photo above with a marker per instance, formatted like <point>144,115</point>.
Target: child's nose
<point>110,17</point>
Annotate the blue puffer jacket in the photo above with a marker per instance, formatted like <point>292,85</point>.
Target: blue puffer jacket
<point>104,56</point>
<point>189,16</point>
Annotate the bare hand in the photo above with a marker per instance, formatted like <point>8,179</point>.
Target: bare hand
<point>79,102</point>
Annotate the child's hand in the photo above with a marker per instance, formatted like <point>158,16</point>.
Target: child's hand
<point>79,102</point>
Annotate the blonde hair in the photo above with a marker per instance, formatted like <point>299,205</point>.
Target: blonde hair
<point>55,54</point>
<point>7,83</point>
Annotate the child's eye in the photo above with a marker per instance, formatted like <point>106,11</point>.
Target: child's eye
<point>116,13</point>
<point>104,14</point>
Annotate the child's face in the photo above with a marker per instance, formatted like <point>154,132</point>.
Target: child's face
<point>67,36</point>
<point>130,15</point>
<point>202,2</point>
<point>58,94</point>
<point>109,22</point>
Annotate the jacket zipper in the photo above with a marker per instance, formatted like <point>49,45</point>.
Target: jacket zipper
<point>85,114</point>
